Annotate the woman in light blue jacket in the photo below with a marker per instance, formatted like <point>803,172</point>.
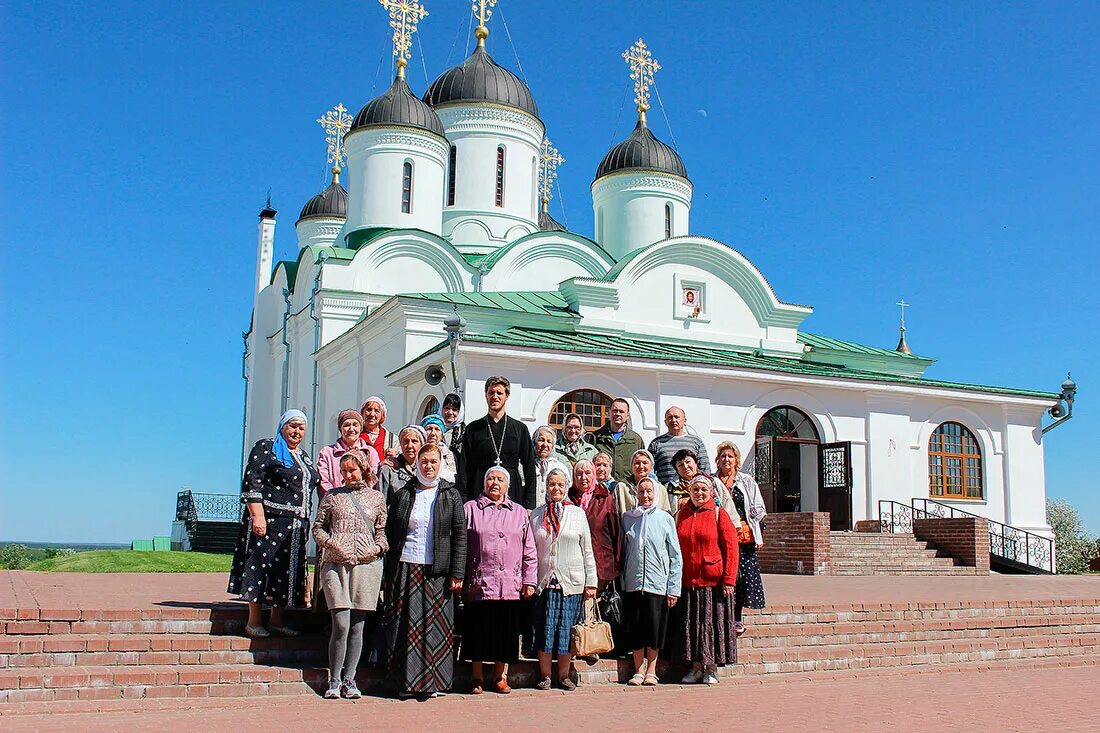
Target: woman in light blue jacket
<point>652,568</point>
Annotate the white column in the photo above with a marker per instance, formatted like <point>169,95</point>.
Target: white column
<point>266,253</point>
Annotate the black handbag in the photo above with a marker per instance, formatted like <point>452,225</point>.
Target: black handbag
<point>611,605</point>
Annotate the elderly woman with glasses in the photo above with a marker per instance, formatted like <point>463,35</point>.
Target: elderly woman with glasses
<point>269,564</point>
<point>708,543</point>
<point>501,569</point>
<point>573,444</point>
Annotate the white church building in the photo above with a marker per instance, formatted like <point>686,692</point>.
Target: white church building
<point>445,212</point>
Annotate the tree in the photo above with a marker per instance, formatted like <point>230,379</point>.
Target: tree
<point>1074,547</point>
<point>14,557</point>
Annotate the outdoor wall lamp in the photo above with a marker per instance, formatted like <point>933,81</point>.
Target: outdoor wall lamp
<point>455,326</point>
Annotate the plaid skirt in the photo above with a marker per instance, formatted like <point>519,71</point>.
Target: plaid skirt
<point>555,616</point>
<point>705,627</point>
<point>418,631</point>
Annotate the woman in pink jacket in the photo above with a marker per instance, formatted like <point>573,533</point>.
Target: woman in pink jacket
<point>350,424</point>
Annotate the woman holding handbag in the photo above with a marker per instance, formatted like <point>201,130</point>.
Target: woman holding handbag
<point>746,500</point>
<point>708,542</point>
<point>566,574</point>
<point>350,531</point>
<point>652,570</point>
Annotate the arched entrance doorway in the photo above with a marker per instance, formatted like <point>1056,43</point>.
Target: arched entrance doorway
<point>799,473</point>
<point>591,405</point>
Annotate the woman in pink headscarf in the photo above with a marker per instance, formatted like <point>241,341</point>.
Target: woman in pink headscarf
<point>604,521</point>
<point>350,424</point>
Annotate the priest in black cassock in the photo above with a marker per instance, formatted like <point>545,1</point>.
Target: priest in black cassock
<point>498,440</point>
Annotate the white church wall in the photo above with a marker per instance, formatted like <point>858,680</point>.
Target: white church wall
<point>376,160</point>
<point>403,262</point>
<point>541,261</point>
<point>629,209</point>
<point>1025,503</point>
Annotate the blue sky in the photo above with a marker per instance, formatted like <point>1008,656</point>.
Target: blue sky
<point>946,153</point>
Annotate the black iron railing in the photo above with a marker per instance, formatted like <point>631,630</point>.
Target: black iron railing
<point>193,508</point>
<point>1010,545</point>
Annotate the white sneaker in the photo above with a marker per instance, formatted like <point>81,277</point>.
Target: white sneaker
<point>711,676</point>
<point>694,676</point>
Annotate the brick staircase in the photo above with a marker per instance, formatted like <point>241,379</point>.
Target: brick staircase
<point>173,652</point>
<point>855,553</point>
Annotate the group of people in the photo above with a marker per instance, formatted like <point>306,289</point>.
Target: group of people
<point>503,539</point>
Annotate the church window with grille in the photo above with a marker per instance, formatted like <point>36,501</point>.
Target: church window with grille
<point>592,407</point>
<point>500,176</point>
<point>954,463</point>
<point>407,188</point>
<point>452,168</point>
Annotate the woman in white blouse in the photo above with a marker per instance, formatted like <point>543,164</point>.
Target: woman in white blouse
<point>566,576</point>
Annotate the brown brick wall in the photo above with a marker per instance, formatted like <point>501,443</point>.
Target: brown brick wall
<point>796,543</point>
<point>966,539</point>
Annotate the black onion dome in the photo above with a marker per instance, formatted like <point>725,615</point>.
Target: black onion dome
<point>480,79</point>
<point>548,223</point>
<point>331,203</point>
<point>642,151</point>
<point>398,107</point>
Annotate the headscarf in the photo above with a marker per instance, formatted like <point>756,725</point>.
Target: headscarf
<point>420,477</point>
<point>280,448</point>
<point>702,478</point>
<point>350,414</point>
<point>415,428</point>
<point>453,397</point>
<point>433,420</point>
<point>367,459</point>
<point>576,444</point>
<point>503,472</point>
<point>644,452</point>
<point>585,497</point>
<point>534,439</point>
<point>374,398</point>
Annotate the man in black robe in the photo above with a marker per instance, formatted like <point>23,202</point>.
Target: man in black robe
<point>497,439</point>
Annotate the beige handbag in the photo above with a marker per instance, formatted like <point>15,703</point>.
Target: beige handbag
<point>591,635</point>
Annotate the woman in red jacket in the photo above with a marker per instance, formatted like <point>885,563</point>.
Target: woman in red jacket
<point>708,541</point>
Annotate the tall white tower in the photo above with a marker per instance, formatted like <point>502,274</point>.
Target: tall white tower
<point>396,148</point>
<point>265,254</point>
<point>641,194</point>
<point>492,122</point>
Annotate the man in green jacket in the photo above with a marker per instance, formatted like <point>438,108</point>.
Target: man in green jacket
<point>618,441</point>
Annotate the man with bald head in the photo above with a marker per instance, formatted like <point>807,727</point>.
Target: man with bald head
<point>664,447</point>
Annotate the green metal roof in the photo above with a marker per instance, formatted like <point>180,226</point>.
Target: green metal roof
<point>548,303</point>
<point>832,344</point>
<point>634,348</point>
<point>359,237</point>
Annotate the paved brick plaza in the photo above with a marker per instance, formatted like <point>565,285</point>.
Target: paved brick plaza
<point>1056,700</point>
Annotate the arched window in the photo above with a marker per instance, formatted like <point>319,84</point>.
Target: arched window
<point>534,189</point>
<point>431,406</point>
<point>668,221</point>
<point>592,406</point>
<point>452,167</point>
<point>599,225</point>
<point>954,463</point>
<point>500,176</point>
<point>407,188</point>
<point>787,424</point>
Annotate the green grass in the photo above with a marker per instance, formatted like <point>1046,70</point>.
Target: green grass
<point>132,561</point>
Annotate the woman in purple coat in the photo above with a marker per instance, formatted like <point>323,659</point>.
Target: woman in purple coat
<point>501,568</point>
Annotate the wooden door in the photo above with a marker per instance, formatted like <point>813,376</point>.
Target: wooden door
<point>834,467</point>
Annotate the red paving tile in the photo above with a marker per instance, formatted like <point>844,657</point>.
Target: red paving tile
<point>124,592</point>
<point>1049,699</point>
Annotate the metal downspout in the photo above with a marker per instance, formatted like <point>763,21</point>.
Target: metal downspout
<point>316,347</point>
<point>286,355</point>
<point>244,416</point>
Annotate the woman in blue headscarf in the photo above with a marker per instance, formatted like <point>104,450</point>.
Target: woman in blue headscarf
<point>269,565</point>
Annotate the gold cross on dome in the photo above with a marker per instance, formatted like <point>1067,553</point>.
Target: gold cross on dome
<point>482,9</point>
<point>642,67</point>
<point>404,15</point>
<point>549,160</point>
<point>903,306</point>
<point>336,122</point>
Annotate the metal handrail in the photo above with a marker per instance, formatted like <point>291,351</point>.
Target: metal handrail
<point>894,516</point>
<point>1005,541</point>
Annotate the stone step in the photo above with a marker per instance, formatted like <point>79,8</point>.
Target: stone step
<point>909,571</point>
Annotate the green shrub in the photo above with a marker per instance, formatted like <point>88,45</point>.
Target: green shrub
<point>14,557</point>
<point>1074,548</point>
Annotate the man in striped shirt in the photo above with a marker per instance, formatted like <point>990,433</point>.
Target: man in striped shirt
<point>664,447</point>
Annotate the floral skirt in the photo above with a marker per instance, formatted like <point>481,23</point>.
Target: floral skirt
<point>705,624</point>
<point>271,569</point>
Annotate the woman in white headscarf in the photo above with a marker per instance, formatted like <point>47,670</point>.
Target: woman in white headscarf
<point>269,564</point>
<point>374,415</point>
<point>397,471</point>
<point>626,492</point>
<point>652,568</point>
<point>546,460</point>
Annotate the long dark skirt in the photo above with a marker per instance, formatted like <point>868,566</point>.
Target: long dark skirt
<point>555,616</point>
<point>749,592</point>
<point>705,620</point>
<point>646,617</point>
<point>271,569</point>
<point>490,630</point>
<point>418,628</point>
